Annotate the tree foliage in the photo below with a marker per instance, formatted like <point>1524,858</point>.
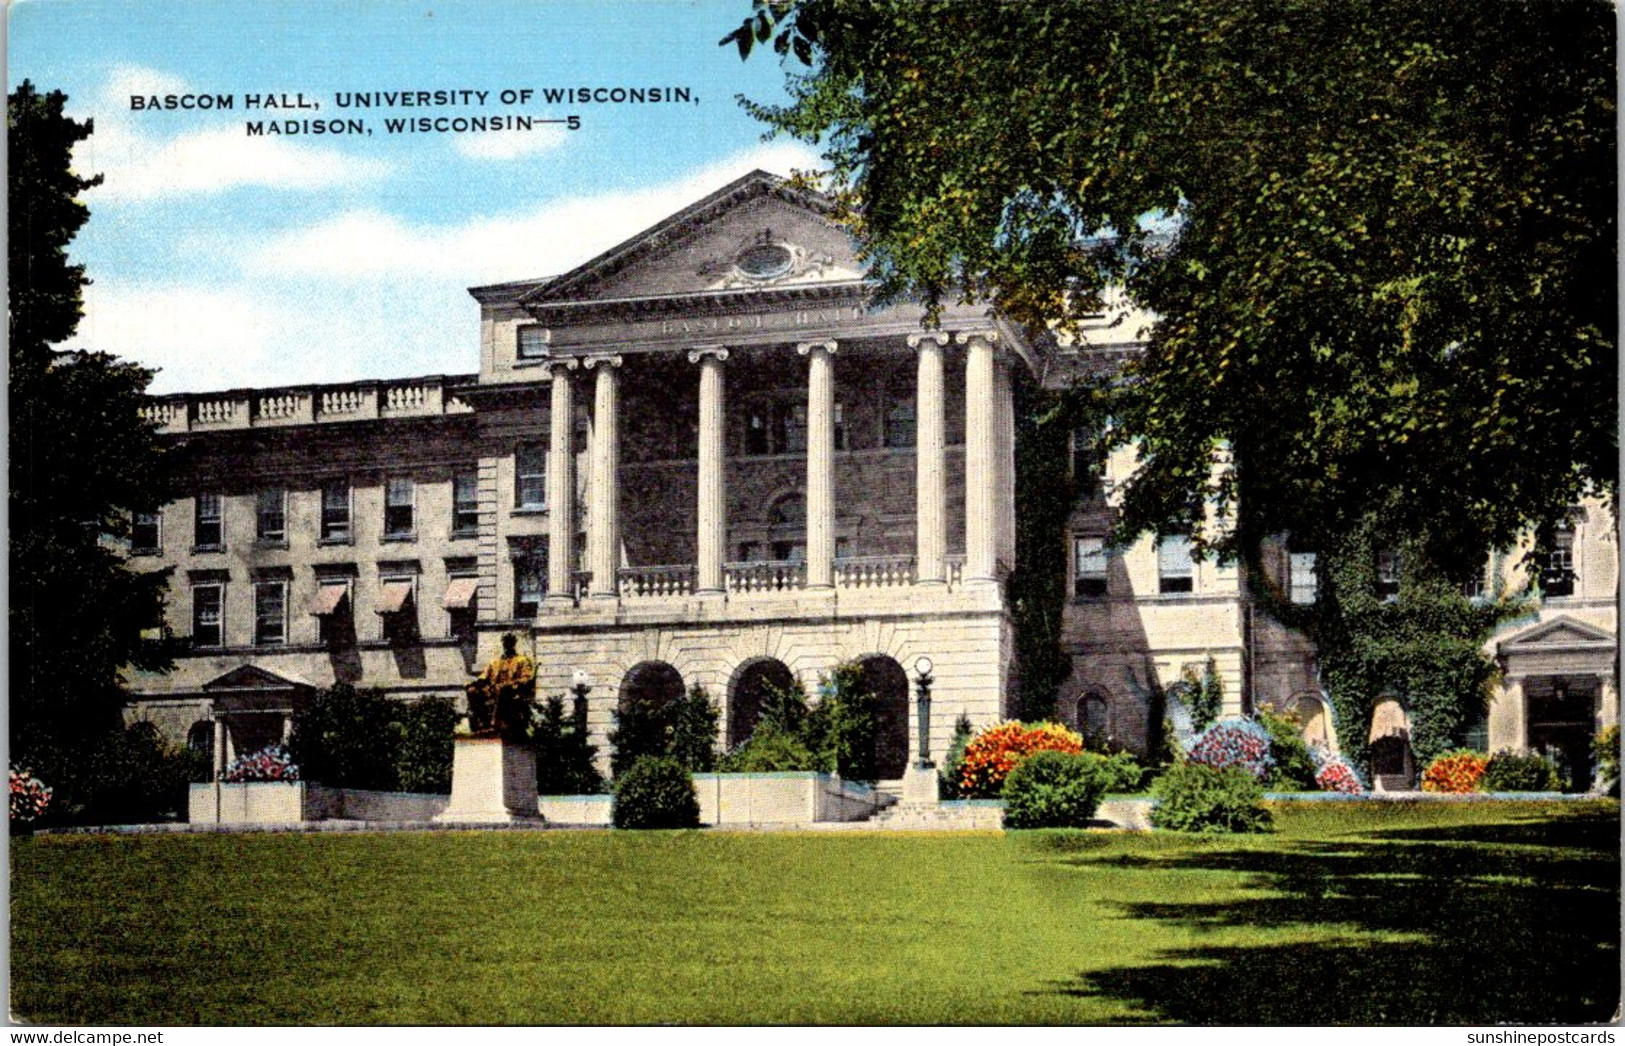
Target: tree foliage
<point>1384,273</point>
<point>82,459</point>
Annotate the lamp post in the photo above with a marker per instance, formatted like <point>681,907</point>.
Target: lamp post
<point>581,684</point>
<point>922,688</point>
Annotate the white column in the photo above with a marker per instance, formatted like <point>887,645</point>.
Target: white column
<point>1004,462</point>
<point>712,508</point>
<point>820,462</point>
<point>561,486</point>
<point>604,492</point>
<point>981,495</point>
<point>930,466</point>
<point>219,748</point>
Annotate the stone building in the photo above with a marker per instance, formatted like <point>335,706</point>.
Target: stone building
<point>703,458</point>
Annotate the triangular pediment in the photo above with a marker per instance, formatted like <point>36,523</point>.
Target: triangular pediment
<point>253,677</point>
<point>759,232</point>
<point>1562,631</point>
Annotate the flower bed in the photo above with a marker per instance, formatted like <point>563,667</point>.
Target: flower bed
<point>993,753</point>
<point>1455,772</point>
<point>30,797</point>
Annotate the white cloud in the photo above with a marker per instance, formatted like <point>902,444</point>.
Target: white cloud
<point>140,164</point>
<point>535,242</point>
<point>215,339</point>
<point>511,145</point>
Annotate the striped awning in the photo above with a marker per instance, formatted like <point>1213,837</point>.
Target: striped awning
<point>394,596</point>
<point>328,599</point>
<point>460,593</point>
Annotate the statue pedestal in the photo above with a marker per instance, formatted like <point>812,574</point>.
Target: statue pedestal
<point>492,782</point>
<point>920,785</point>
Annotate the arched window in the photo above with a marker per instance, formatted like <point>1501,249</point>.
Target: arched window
<point>200,738</point>
<point>1094,718</point>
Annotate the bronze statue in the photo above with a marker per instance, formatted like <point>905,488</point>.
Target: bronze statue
<point>500,698</point>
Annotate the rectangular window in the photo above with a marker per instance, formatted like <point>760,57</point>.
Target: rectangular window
<point>146,536</point>
<point>1301,577</point>
<point>1089,567</point>
<point>530,476</point>
<point>398,607</point>
<point>462,592</point>
<point>271,515</point>
<point>465,503</point>
<point>532,342</point>
<point>270,613</point>
<point>1176,571</point>
<point>334,613</point>
<point>1088,466</point>
<point>794,427</point>
<point>1389,565</point>
<point>1557,577</point>
<point>900,417</point>
<point>208,531</point>
<point>336,510</point>
<point>840,427</point>
<point>208,615</point>
<point>399,520</point>
<point>529,583</point>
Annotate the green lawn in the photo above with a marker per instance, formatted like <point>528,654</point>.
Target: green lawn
<point>1408,914</point>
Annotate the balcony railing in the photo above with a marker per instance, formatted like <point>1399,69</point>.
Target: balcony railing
<point>656,582</point>
<point>304,405</point>
<point>874,572</point>
<point>765,576</point>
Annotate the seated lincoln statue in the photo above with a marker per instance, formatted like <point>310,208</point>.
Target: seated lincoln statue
<point>500,698</point>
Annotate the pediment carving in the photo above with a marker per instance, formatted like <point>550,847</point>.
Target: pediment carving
<point>253,677</point>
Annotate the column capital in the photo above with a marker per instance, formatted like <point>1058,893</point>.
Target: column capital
<point>808,346</point>
<point>991,337</point>
<point>941,338</point>
<point>566,362</point>
<point>612,359</point>
<point>700,352</point>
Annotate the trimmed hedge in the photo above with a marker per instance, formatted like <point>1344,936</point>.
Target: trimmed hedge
<point>1192,797</point>
<point>655,792</point>
<point>1509,771</point>
<point>1055,790</point>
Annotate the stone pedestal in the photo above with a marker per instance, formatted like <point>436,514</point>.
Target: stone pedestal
<point>920,785</point>
<point>492,782</point>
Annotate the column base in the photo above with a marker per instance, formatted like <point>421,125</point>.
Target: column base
<point>920,785</point>
<point>492,782</point>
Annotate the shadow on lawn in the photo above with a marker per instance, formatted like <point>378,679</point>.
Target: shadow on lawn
<point>1514,922</point>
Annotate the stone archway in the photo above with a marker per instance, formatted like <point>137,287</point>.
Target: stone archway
<point>753,688</point>
<point>1392,766</point>
<point>642,720</point>
<point>1315,721</point>
<point>886,680</point>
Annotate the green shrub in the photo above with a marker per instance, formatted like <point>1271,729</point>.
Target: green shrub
<point>694,721</point>
<point>1124,773</point>
<point>1191,797</point>
<point>846,725</point>
<point>424,764</point>
<point>1605,756</point>
<point>134,776</point>
<point>1051,789</point>
<point>772,748</point>
<point>566,761</point>
<point>1294,768</point>
<point>655,792</point>
<point>953,764</point>
<point>348,738</point>
<point>1509,771</point>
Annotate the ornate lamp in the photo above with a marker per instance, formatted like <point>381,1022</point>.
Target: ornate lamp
<point>922,688</point>
<point>581,684</point>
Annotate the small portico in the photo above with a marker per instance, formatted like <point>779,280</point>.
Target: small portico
<point>1561,686</point>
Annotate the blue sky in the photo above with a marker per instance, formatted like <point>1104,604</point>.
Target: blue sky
<point>228,260</point>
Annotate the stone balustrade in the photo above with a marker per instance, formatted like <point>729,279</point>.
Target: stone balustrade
<point>656,582</point>
<point>357,401</point>
<point>874,571</point>
<point>765,576</point>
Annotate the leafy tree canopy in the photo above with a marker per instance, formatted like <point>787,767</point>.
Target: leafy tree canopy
<point>82,459</point>
<point>1379,236</point>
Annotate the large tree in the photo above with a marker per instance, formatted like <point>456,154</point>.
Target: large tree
<point>1385,263</point>
<point>82,460</point>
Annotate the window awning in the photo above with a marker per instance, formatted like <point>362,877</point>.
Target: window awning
<point>460,593</point>
<point>328,599</point>
<point>394,596</point>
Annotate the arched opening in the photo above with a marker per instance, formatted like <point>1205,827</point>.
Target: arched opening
<point>1315,721</point>
<point>200,738</point>
<point>643,712</point>
<point>755,686</point>
<point>1391,765</point>
<point>884,679</point>
<point>1092,719</point>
